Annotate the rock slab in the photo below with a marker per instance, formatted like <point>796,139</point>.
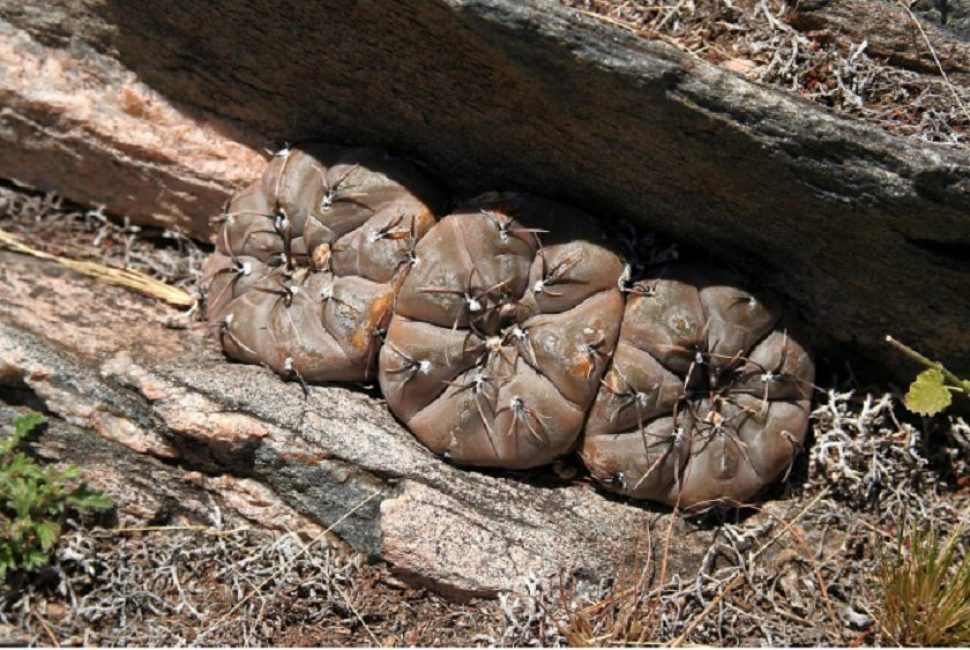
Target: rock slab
<point>157,413</point>
<point>866,233</point>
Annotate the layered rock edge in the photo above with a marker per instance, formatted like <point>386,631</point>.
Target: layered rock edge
<point>845,221</point>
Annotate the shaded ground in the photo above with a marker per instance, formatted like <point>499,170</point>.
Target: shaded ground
<point>798,570</point>
<point>907,78</point>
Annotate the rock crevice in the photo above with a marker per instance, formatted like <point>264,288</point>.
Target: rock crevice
<point>524,96</point>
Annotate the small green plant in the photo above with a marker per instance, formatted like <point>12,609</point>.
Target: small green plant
<point>34,501</point>
<point>926,590</point>
<point>930,393</point>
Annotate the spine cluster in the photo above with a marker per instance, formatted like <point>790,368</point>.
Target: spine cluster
<point>508,333</point>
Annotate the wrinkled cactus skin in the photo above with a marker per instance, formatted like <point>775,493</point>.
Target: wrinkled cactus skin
<point>307,261</point>
<point>507,333</point>
<point>497,346</point>
<point>707,398</point>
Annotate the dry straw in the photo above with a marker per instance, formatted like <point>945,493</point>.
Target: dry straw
<point>135,280</point>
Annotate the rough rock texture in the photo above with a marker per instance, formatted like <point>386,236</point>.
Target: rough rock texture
<point>166,423</point>
<point>866,232</point>
<point>146,490</point>
<point>953,15</point>
<point>79,123</point>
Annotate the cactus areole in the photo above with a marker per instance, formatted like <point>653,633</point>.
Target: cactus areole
<point>508,333</point>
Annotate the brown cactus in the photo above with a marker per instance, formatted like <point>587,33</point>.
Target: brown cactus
<point>503,330</point>
<point>308,258</point>
<point>707,399</point>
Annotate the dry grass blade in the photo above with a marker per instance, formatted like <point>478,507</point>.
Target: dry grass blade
<point>616,617</point>
<point>205,530</point>
<point>737,580</point>
<point>926,590</point>
<point>630,614</point>
<point>305,548</point>
<point>788,525</point>
<point>936,59</point>
<point>47,630</point>
<point>130,279</point>
<point>697,620</point>
<point>800,541</point>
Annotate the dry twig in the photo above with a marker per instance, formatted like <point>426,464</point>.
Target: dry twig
<point>129,279</point>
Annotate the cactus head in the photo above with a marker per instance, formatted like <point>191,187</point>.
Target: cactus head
<point>707,398</point>
<point>309,257</point>
<point>502,331</point>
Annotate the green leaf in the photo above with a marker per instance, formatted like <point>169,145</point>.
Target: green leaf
<point>23,498</point>
<point>84,498</point>
<point>6,557</point>
<point>47,533</point>
<point>928,395</point>
<point>24,424</point>
<point>69,473</point>
<point>34,558</point>
<point>33,501</point>
<point>21,466</point>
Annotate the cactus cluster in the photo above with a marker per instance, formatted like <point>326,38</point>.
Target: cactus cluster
<point>508,333</point>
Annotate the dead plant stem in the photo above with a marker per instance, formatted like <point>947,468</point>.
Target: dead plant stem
<point>303,550</point>
<point>697,620</point>
<point>128,278</point>
<point>936,59</point>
